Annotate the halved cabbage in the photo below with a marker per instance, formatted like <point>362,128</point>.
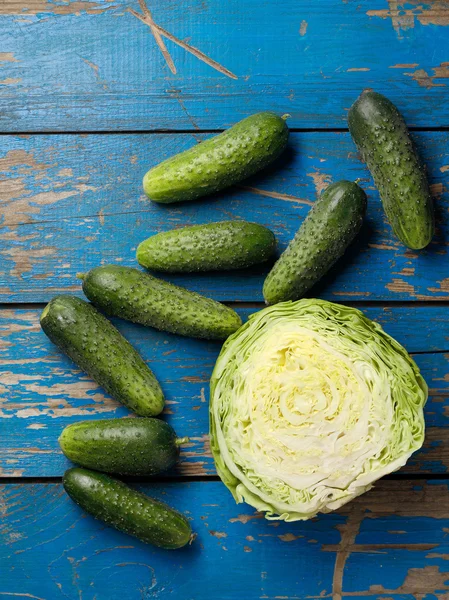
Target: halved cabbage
<point>311,402</point>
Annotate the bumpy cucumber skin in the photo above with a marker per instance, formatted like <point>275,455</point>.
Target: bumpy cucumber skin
<point>130,294</point>
<point>121,446</point>
<point>220,161</point>
<point>382,138</point>
<point>209,247</point>
<point>328,229</point>
<point>127,510</point>
<point>97,347</point>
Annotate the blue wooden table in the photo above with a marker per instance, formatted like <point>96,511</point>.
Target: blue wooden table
<point>92,94</point>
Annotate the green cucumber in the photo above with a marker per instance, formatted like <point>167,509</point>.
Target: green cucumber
<point>127,510</point>
<point>209,247</point>
<point>221,161</point>
<point>97,347</point>
<point>136,296</point>
<point>326,232</point>
<point>382,138</point>
<point>122,446</point>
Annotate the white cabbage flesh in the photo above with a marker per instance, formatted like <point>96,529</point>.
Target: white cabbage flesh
<point>311,402</point>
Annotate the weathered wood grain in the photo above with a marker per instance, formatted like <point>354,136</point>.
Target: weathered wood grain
<point>41,391</point>
<point>389,543</point>
<point>71,202</point>
<point>92,65</point>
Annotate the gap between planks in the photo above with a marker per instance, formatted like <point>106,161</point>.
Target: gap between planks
<point>206,478</point>
<point>132,480</point>
<point>193,131</point>
<point>260,305</point>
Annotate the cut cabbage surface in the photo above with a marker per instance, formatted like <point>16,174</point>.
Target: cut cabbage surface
<point>312,402</point>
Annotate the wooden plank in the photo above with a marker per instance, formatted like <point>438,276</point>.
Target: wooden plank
<point>41,390</point>
<point>391,542</point>
<point>71,202</point>
<point>92,65</point>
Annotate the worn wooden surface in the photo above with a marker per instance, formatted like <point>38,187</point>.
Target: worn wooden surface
<point>88,65</point>
<point>72,202</point>
<point>390,543</point>
<point>44,392</point>
<point>88,102</point>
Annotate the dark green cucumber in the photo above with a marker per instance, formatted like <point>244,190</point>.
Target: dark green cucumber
<point>328,229</point>
<point>382,138</point>
<point>209,247</point>
<point>127,510</point>
<point>220,161</point>
<point>122,446</point>
<point>97,347</point>
<point>130,294</point>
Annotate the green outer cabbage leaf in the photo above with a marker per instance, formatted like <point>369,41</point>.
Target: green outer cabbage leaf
<point>311,402</point>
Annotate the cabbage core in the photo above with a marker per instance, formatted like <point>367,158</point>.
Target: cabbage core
<point>311,402</point>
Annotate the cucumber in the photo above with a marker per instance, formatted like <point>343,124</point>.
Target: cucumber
<point>97,347</point>
<point>130,294</point>
<point>382,138</point>
<point>122,446</point>
<point>326,232</point>
<point>221,161</point>
<point>209,247</point>
<point>127,510</point>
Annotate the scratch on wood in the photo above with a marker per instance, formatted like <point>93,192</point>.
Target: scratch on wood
<point>101,216</point>
<point>202,395</point>
<point>12,473</point>
<point>24,258</point>
<point>177,95</point>
<point>193,469</point>
<point>320,180</point>
<point>352,294</point>
<point>10,81</point>
<point>7,57</point>
<point>357,69</point>
<point>436,189</point>
<point>382,247</point>
<point>380,548</point>
<point>277,195</point>
<point>444,286</point>
<point>96,69</point>
<point>400,286</point>
<point>147,19</point>
<point>418,583</point>
<point>289,537</point>
<point>66,172</point>
<point>303,28</point>
<point>246,518</point>
<point>404,66</point>
<point>192,379</point>
<point>349,533</point>
<point>218,534</point>
<point>436,13</point>
<point>23,207</point>
<point>428,81</point>
<point>21,158</point>
<point>406,272</point>
<point>424,79</point>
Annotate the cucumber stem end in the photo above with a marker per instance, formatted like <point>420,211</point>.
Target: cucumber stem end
<point>183,440</point>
